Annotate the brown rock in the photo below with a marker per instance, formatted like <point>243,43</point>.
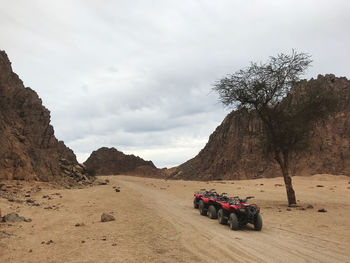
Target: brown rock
<point>109,161</point>
<point>28,146</point>
<point>105,217</point>
<point>234,149</point>
<point>322,210</point>
<point>14,217</point>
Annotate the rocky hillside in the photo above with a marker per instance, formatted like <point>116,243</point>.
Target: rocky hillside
<point>234,152</point>
<point>28,147</point>
<point>108,161</point>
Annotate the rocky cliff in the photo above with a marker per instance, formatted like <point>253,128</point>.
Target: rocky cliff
<point>234,150</point>
<point>28,147</point>
<point>108,161</point>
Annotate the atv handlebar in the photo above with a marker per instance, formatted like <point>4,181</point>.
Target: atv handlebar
<point>246,199</point>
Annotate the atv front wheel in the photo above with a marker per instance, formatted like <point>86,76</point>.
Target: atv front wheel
<point>195,203</point>
<point>212,212</point>
<point>233,220</point>
<point>221,217</point>
<point>257,222</point>
<point>202,210</point>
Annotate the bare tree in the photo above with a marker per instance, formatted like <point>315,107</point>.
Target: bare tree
<point>287,119</point>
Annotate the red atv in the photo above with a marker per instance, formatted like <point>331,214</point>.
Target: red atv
<point>202,193</point>
<point>237,212</point>
<point>206,201</point>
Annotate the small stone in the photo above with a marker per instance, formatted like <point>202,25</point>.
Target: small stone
<point>310,207</point>
<point>13,217</point>
<point>83,241</point>
<point>107,217</point>
<point>322,210</point>
<point>103,239</point>
<point>288,209</point>
<point>27,195</point>
<point>49,242</point>
<point>301,208</point>
<point>30,251</point>
<point>79,224</point>
<point>117,190</point>
<point>114,244</point>
<point>319,185</point>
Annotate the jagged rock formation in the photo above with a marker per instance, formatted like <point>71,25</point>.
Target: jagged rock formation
<point>234,150</point>
<point>110,161</point>
<point>28,147</point>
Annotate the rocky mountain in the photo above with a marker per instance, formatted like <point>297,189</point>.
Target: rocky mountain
<point>28,147</point>
<point>234,150</point>
<point>108,161</point>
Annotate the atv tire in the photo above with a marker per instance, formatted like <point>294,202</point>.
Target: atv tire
<point>212,212</point>
<point>258,222</point>
<point>233,221</point>
<point>195,203</point>
<point>202,210</point>
<point>221,217</point>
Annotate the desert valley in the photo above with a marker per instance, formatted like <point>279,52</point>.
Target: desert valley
<point>132,145</point>
<point>55,215</point>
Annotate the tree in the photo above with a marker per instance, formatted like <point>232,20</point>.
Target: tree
<point>264,89</point>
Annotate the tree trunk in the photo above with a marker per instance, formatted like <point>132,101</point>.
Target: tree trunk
<point>283,162</point>
<point>289,187</point>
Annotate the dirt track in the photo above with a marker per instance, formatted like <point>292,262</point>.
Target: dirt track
<point>155,222</point>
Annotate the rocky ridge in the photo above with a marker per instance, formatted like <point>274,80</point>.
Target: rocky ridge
<point>234,150</point>
<point>110,161</point>
<point>29,149</point>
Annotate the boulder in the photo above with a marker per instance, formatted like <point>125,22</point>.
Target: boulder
<point>14,217</point>
<point>105,217</point>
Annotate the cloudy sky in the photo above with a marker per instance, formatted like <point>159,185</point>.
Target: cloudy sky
<point>137,75</point>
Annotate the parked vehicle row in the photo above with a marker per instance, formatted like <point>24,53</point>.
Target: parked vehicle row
<point>228,210</point>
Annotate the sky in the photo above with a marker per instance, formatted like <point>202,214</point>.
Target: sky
<point>138,75</point>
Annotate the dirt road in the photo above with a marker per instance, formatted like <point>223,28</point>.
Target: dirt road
<point>155,222</point>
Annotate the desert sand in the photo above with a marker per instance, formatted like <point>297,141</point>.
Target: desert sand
<point>155,222</point>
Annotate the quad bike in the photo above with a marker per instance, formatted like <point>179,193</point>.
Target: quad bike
<point>206,201</point>
<point>200,194</point>
<point>237,212</point>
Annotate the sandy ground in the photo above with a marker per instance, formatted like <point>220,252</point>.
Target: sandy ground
<point>156,222</point>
